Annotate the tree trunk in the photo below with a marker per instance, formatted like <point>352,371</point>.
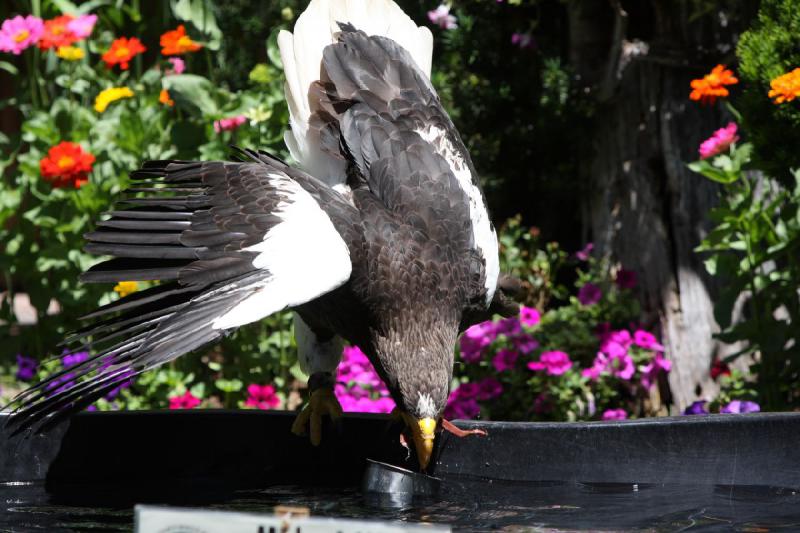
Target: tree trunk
<point>644,207</point>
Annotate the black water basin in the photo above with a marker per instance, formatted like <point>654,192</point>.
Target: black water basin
<point>712,473</point>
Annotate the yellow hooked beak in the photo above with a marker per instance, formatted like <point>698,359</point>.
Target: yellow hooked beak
<point>423,431</point>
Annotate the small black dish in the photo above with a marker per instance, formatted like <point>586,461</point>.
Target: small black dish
<point>392,486</point>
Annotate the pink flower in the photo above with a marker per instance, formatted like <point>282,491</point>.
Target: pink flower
<point>599,365</point>
<point>19,33</point>
<point>523,40</point>
<point>229,124</point>
<point>529,316</point>
<point>651,370</point>
<point>365,404</point>
<point>441,17</point>
<point>622,366</point>
<point>504,360</point>
<point>178,66</point>
<point>555,362</point>
<point>614,414</point>
<point>525,343</point>
<point>489,388</point>
<point>184,401</point>
<point>646,340</point>
<point>461,407</point>
<point>586,253</point>
<point>475,339</point>
<point>262,396</point>
<point>507,326</point>
<point>719,142</point>
<point>589,294</point>
<point>82,25</point>
<point>626,279</point>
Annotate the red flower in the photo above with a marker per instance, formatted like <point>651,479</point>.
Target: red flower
<point>66,164</point>
<point>176,42</point>
<point>122,51</point>
<point>719,368</point>
<point>56,33</point>
<point>262,397</point>
<point>185,401</point>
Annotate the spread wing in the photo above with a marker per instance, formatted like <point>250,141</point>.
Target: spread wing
<point>231,243</point>
<point>379,111</point>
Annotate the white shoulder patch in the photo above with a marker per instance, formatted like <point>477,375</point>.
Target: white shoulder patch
<point>482,230</point>
<point>304,255</point>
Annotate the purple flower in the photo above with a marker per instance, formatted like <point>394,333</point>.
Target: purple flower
<point>489,388</point>
<point>461,408</point>
<point>507,326</point>
<point>741,406</point>
<point>504,360</point>
<point>646,340</point>
<point>529,316</point>
<point>555,362</point>
<point>651,370</point>
<point>441,17</point>
<point>26,367</point>
<point>523,40</point>
<point>525,343</point>
<point>475,339</point>
<point>466,391</point>
<point>584,254</point>
<point>626,279</point>
<point>614,414</point>
<point>697,408</point>
<point>589,294</point>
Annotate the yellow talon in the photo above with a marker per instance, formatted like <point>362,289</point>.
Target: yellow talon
<point>322,402</point>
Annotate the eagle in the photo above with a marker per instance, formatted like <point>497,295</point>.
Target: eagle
<point>379,237</point>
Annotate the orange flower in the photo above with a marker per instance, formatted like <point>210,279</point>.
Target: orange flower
<point>164,98</point>
<point>712,85</point>
<point>56,33</point>
<point>786,87</point>
<point>176,42</point>
<point>66,164</point>
<point>122,51</point>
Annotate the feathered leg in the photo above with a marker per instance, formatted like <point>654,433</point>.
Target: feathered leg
<point>318,356</point>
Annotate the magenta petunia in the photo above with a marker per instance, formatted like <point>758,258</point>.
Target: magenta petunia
<point>229,124</point>
<point>82,26</point>
<point>719,141</point>
<point>555,362</point>
<point>441,17</point>
<point>589,294</point>
<point>461,408</point>
<point>599,365</point>
<point>523,40</point>
<point>529,316</point>
<point>489,388</point>
<point>475,339</point>
<point>647,340</point>
<point>525,343</point>
<point>621,365</point>
<point>504,359</point>
<point>184,401</point>
<point>18,33</point>
<point>586,253</point>
<point>651,370</point>
<point>614,414</point>
<point>262,396</point>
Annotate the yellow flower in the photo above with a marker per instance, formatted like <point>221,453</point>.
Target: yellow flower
<point>785,88</point>
<point>110,95</point>
<point>125,288</point>
<point>70,53</point>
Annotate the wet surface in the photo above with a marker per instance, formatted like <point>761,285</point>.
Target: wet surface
<point>467,505</point>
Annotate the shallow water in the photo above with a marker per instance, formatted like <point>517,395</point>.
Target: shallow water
<point>466,505</point>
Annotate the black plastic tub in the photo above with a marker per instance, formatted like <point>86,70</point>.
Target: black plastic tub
<point>651,473</point>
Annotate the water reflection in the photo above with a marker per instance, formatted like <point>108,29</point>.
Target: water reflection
<point>465,504</point>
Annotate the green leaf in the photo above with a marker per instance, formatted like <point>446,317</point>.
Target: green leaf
<point>192,92</point>
<point>229,385</point>
<point>8,67</point>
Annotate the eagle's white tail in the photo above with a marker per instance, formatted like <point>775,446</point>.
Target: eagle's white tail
<point>301,54</point>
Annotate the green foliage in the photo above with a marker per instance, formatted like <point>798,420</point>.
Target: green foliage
<point>765,52</point>
<point>42,227</point>
<point>753,250</point>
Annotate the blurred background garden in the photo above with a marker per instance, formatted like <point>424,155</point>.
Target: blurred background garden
<point>639,157</point>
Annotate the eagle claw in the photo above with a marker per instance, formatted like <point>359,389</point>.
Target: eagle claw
<point>322,402</point>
